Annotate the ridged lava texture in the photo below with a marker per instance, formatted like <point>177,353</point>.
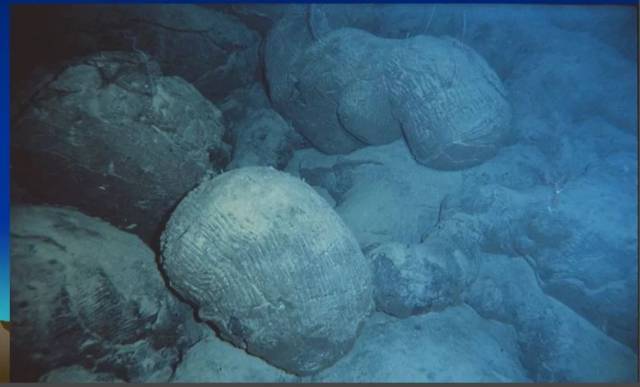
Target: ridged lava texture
<point>349,89</point>
<point>84,293</point>
<point>451,105</point>
<point>267,260</point>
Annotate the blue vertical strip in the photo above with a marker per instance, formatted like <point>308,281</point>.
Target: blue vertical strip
<point>4,162</point>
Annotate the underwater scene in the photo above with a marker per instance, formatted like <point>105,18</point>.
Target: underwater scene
<point>324,193</point>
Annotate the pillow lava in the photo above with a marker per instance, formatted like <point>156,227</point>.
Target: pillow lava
<point>349,89</point>
<point>265,258</point>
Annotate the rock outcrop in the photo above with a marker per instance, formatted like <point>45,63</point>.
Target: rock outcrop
<point>88,296</point>
<point>266,260</point>
<point>348,88</point>
<point>111,136</point>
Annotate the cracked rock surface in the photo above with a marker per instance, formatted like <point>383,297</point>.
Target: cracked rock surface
<point>88,296</point>
<point>266,260</point>
<point>151,139</point>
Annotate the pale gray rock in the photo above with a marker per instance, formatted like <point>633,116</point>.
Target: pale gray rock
<point>451,105</point>
<point>266,260</point>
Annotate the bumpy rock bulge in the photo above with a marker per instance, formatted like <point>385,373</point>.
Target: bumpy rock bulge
<point>450,104</point>
<point>265,259</point>
<point>347,89</point>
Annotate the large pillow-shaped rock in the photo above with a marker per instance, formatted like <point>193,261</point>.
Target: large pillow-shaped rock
<point>333,91</point>
<point>451,105</point>
<point>86,294</point>
<point>348,88</point>
<point>111,136</point>
<point>265,259</point>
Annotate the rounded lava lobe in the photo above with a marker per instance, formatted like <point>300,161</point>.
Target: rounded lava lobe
<point>264,258</point>
<point>349,89</point>
<point>92,290</point>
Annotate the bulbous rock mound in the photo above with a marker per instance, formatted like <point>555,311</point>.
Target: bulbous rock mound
<point>416,279</point>
<point>110,135</point>
<point>451,105</point>
<point>88,296</point>
<point>348,89</point>
<point>265,259</point>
